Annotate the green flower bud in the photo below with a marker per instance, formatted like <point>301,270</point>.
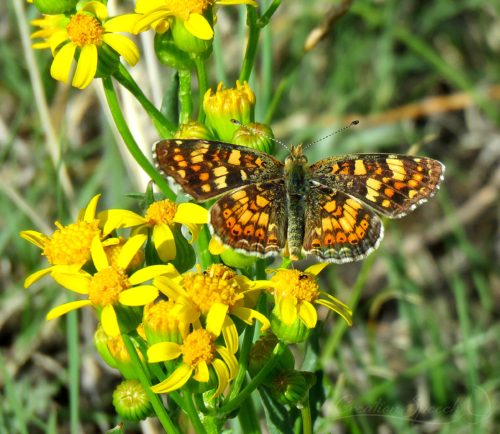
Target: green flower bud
<point>225,105</point>
<point>256,136</point>
<point>170,54</point>
<point>262,350</point>
<point>237,260</point>
<point>193,130</point>
<point>54,7</point>
<point>161,323</point>
<point>189,43</point>
<point>289,333</point>
<point>108,61</point>
<point>131,401</point>
<point>101,343</point>
<point>290,387</point>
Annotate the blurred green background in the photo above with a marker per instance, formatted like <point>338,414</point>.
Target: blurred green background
<point>421,76</point>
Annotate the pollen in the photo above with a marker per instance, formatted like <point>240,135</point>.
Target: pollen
<point>71,244</point>
<point>85,30</point>
<point>106,286</point>
<point>215,285</point>
<point>162,211</point>
<point>297,284</point>
<point>198,347</point>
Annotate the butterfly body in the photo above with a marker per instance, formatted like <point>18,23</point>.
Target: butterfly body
<point>328,209</point>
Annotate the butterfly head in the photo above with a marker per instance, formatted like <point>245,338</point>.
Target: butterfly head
<point>296,156</point>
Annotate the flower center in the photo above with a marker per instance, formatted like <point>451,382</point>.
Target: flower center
<point>216,285</point>
<point>84,30</point>
<point>106,285</point>
<point>198,347</point>
<point>71,244</point>
<point>162,211</point>
<point>297,284</point>
<point>117,349</point>
<point>232,101</point>
<point>160,318</point>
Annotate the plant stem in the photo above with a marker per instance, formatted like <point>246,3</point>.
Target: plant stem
<point>253,41</point>
<point>155,400</point>
<point>131,144</point>
<point>192,413</point>
<point>201,72</point>
<point>185,97</point>
<point>305,412</point>
<point>164,127</point>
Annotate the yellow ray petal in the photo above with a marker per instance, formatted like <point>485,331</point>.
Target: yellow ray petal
<point>61,65</point>
<point>198,26</point>
<point>288,309</point>
<point>109,321</point>
<point>164,242</point>
<point>229,359</point>
<point>201,372</point>
<point>119,218</point>
<point>77,282</point>
<point>308,315</point>
<point>86,67</point>
<point>163,351</point>
<point>191,213</point>
<point>89,211</point>
<point>178,378</point>
<point>215,318</point>
<point>96,8</point>
<point>222,373</point>
<point>345,314</point>
<point>148,273</point>
<point>122,23</point>
<point>139,295</point>
<point>123,46</point>
<point>99,257</point>
<point>249,315</point>
<point>37,275</point>
<point>34,237</point>
<point>130,249</point>
<point>65,308</point>
<point>315,269</point>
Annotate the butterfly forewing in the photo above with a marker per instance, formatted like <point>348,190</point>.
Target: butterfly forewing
<point>206,169</point>
<point>252,218</point>
<point>391,184</point>
<point>339,228</point>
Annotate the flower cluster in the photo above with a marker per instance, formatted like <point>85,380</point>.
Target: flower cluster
<point>178,312</point>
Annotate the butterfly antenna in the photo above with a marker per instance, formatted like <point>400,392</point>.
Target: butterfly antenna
<point>255,131</point>
<point>352,124</point>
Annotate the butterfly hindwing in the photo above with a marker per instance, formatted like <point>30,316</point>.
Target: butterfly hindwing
<point>339,228</point>
<point>252,219</point>
<point>206,169</point>
<point>391,184</point>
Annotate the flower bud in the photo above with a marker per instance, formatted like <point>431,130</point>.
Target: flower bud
<point>161,323</point>
<point>131,401</point>
<point>193,130</point>
<point>225,105</point>
<point>54,7</point>
<point>170,54</point>
<point>292,333</point>
<point>189,43</point>
<point>101,343</point>
<point>290,387</point>
<point>256,136</point>
<point>262,350</point>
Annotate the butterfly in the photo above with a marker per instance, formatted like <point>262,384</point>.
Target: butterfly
<point>327,209</point>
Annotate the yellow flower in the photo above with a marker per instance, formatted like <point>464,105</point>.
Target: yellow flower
<point>83,35</point>
<point>199,352</point>
<point>110,286</point>
<point>68,248</point>
<point>296,292</point>
<point>160,217</point>
<point>158,14</point>
<point>214,294</point>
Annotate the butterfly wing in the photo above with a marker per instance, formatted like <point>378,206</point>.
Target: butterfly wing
<point>339,228</point>
<point>252,219</point>
<point>206,169</point>
<point>391,184</point>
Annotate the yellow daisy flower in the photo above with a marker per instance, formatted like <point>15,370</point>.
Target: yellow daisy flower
<point>296,292</point>
<point>68,248</point>
<point>83,35</point>
<point>158,14</point>
<point>199,352</point>
<point>160,217</point>
<point>215,294</point>
<point>110,286</point>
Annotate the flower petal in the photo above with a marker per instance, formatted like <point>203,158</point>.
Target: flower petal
<point>215,318</point>
<point>61,65</point>
<point>119,218</point>
<point>123,46</point>
<point>77,282</point>
<point>315,269</point>
<point>122,23</point>
<point>99,257</point>
<point>236,2</point>
<point>222,373</point>
<point>86,67</point>
<point>201,372</point>
<point>346,314</point>
<point>89,211</point>
<point>37,275</point>
<point>191,213</point>
<point>169,287</point>
<point>57,39</point>
<point>288,309</point>
<point>308,314</point>
<point>96,8</point>
<point>229,359</point>
<point>139,295</point>
<point>35,237</point>
<point>130,249</point>
<point>198,26</point>
<point>109,321</point>
<point>148,273</point>
<point>149,20</point>
<point>164,242</point>
<point>66,307</point>
<point>215,247</point>
<point>163,351</point>
<point>249,315</point>
<point>178,378</point>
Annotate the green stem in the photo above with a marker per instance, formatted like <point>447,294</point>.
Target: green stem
<point>131,144</point>
<point>74,370</point>
<point>201,72</point>
<point>164,127</point>
<point>155,400</point>
<point>253,41</point>
<point>256,381</point>
<point>305,412</point>
<point>190,409</point>
<point>205,257</point>
<point>185,97</point>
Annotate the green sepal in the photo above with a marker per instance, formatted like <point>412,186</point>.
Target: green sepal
<point>185,256</point>
<point>188,42</point>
